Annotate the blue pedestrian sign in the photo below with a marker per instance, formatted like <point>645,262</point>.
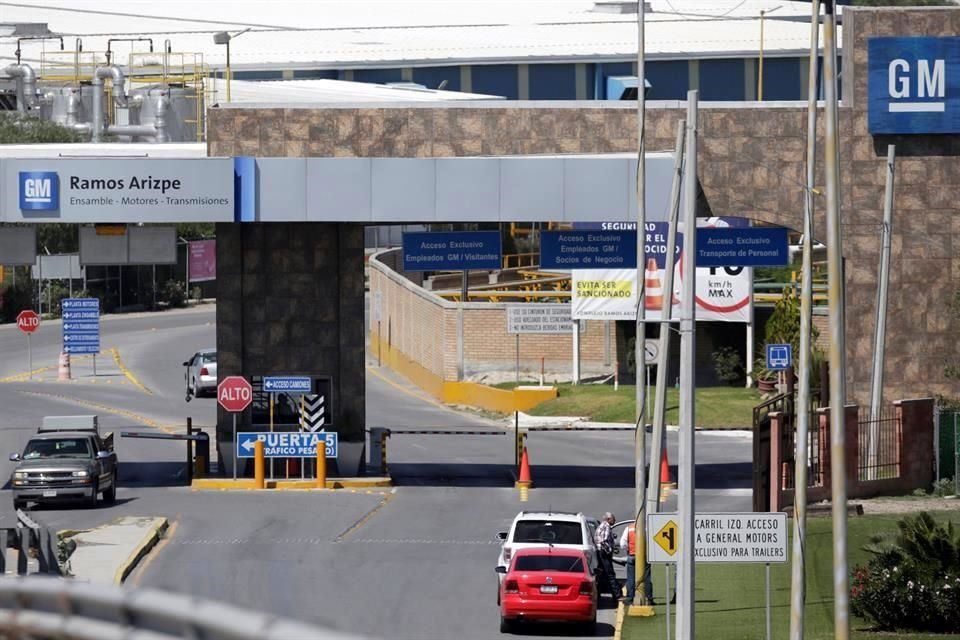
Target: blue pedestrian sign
<point>779,356</point>
<point>81,325</point>
<point>287,444</point>
<point>288,384</point>
<point>455,251</point>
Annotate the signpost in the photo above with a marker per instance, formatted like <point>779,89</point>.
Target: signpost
<point>539,318</point>
<point>588,249</point>
<point>287,384</point>
<point>234,394</point>
<point>779,357</point>
<point>81,327</point>
<point>742,247</point>
<point>287,444</point>
<point>751,538</point>
<point>28,321</point>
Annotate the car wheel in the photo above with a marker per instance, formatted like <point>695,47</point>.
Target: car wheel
<point>19,504</point>
<point>92,500</point>
<point>110,495</point>
<point>506,625</point>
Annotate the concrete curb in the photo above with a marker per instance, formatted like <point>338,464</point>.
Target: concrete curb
<point>159,526</point>
<point>246,484</point>
<point>618,625</point>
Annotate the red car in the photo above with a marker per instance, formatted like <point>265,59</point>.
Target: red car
<point>547,584</point>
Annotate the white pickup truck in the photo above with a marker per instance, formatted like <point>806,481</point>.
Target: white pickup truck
<point>66,460</point>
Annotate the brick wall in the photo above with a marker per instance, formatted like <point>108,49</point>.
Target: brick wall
<point>423,327</point>
<point>751,165</point>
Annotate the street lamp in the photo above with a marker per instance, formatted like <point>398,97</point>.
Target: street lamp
<point>224,37</point>
<point>763,12</point>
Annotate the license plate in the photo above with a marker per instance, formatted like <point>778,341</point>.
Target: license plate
<point>548,588</point>
<point>49,493</point>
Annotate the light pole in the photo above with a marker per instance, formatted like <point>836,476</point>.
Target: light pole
<point>224,37</point>
<point>763,13</point>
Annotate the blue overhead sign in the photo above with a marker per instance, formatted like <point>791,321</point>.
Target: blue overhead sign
<point>779,356</point>
<point>453,251</point>
<point>746,247</point>
<point>287,444</point>
<point>288,384</point>
<point>588,249</point>
<point>913,85</point>
<point>81,325</point>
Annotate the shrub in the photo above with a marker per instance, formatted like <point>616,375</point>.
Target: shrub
<point>13,300</point>
<point>912,582</point>
<point>728,364</point>
<point>172,294</point>
<point>943,487</point>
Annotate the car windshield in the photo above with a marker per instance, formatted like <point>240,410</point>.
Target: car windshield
<point>60,448</point>
<point>548,531</point>
<point>565,564</point>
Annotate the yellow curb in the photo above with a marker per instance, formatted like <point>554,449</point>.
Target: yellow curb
<point>246,484</point>
<point>159,526</point>
<point>641,611</point>
<point>618,625</point>
<point>127,373</point>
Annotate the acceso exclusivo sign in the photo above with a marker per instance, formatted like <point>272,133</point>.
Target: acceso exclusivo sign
<point>117,190</point>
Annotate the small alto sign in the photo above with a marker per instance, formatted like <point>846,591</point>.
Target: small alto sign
<point>912,85</point>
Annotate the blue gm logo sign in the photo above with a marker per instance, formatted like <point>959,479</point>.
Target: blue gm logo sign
<point>913,85</point>
<point>39,191</point>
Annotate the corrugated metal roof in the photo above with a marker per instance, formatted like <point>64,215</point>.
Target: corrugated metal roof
<point>345,34</point>
<point>330,91</point>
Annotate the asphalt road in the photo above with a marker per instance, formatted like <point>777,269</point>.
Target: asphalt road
<point>413,562</point>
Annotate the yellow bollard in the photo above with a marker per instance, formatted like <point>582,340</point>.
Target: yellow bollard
<point>322,464</point>
<point>258,465</point>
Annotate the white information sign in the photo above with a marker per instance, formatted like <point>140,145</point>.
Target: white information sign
<point>721,537</point>
<point>539,318</point>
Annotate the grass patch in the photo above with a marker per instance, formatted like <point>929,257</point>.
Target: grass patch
<point>731,597</point>
<point>716,406</point>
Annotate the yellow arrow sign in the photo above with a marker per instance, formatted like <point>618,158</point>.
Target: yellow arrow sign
<point>668,537</point>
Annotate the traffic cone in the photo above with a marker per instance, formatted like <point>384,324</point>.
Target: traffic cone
<point>525,481</point>
<point>665,482</point>
<point>63,372</point>
<point>653,289</point>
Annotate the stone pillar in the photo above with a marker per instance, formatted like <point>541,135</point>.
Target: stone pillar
<point>915,443</point>
<point>291,301</point>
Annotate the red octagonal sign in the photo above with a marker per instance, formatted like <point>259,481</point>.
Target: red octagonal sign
<point>28,321</point>
<point>234,393</point>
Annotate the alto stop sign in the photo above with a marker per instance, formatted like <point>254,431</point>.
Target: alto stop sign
<point>28,321</point>
<point>234,393</point>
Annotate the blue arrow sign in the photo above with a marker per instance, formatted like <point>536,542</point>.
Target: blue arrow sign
<point>287,444</point>
<point>82,348</point>
<point>81,315</point>
<point>779,356</point>
<point>81,327</point>
<point>80,303</point>
<point>81,337</point>
<point>288,384</point>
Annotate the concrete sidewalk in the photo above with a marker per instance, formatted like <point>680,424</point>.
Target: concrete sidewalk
<point>108,553</point>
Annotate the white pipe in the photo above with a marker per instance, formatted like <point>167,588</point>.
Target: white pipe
<point>26,85</point>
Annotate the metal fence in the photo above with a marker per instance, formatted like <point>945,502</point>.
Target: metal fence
<point>879,447</point>
<point>43,608</point>
<point>947,445</point>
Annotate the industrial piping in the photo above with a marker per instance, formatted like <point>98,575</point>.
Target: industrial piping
<point>26,85</point>
<point>156,131</point>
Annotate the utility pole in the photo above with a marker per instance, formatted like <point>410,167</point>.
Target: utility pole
<point>798,588</point>
<point>640,557</point>
<point>838,396</point>
<point>688,350</point>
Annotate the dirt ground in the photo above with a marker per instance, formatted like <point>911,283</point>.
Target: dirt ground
<point>908,504</point>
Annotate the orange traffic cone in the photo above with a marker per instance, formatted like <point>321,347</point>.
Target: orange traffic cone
<point>525,481</point>
<point>63,373</point>
<point>653,289</point>
<point>665,471</point>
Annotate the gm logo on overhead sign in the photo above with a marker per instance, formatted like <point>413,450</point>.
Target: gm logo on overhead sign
<point>913,85</point>
<point>39,191</point>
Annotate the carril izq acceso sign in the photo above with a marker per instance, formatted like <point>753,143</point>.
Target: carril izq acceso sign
<point>117,190</point>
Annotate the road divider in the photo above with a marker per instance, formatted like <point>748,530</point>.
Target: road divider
<point>249,484</point>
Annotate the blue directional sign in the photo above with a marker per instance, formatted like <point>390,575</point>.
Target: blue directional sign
<point>912,85</point>
<point>287,444</point>
<point>588,249</point>
<point>779,356</point>
<point>288,384</point>
<point>81,325</point>
<point>454,251</point>
<point>747,247</point>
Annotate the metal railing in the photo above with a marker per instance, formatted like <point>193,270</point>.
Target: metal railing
<point>887,462</point>
<point>42,608</point>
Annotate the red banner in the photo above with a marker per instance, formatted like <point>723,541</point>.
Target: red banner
<point>202,257</point>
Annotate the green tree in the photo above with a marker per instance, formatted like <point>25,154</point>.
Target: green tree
<point>18,129</point>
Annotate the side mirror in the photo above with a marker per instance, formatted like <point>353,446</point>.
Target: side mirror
<point>502,535</point>
<point>103,455</point>
<point>14,457</point>
<point>187,363</point>
<point>500,569</point>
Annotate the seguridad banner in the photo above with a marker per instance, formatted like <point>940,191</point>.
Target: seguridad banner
<point>723,294</point>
